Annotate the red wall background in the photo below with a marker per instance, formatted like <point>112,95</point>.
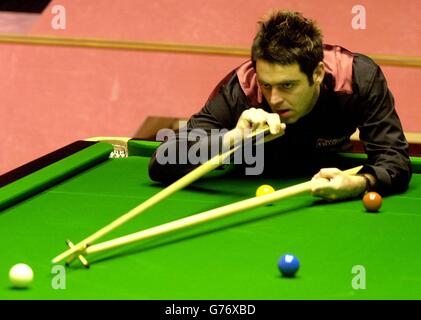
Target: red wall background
<point>51,96</point>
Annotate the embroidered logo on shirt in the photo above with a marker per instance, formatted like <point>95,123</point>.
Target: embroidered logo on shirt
<point>326,143</point>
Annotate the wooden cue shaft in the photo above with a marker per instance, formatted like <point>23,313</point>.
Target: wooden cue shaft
<point>207,216</point>
<point>179,184</point>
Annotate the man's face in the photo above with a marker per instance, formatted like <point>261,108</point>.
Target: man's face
<point>287,89</point>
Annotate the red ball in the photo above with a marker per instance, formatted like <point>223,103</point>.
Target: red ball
<point>372,201</point>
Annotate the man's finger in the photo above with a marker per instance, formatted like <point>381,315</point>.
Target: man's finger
<point>274,123</point>
<point>329,173</point>
<point>319,184</point>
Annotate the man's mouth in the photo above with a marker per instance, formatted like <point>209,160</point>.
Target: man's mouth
<point>284,113</point>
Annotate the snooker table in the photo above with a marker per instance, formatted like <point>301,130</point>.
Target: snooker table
<point>74,191</point>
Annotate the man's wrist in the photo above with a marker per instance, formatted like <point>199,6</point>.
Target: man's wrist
<point>369,182</point>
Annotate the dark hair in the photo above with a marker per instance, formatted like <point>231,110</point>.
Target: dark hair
<point>287,37</point>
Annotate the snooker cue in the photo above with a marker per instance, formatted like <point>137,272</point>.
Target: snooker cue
<point>189,178</point>
<point>207,215</point>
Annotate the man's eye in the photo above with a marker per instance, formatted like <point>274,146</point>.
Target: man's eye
<point>287,85</point>
<point>266,86</point>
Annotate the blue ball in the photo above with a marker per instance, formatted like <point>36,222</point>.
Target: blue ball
<point>288,265</point>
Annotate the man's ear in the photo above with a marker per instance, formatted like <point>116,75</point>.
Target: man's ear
<point>319,73</point>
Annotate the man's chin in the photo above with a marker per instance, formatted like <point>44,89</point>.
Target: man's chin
<point>289,120</point>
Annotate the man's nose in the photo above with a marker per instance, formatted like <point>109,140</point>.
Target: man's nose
<point>276,97</point>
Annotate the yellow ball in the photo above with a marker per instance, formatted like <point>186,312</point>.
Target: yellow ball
<point>264,190</point>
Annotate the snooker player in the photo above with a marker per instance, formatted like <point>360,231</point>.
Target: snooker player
<point>315,96</point>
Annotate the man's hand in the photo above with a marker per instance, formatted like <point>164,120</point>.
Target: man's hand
<point>252,119</point>
<point>333,184</point>
<point>256,118</point>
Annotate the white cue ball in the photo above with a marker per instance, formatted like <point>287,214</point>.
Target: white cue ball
<point>21,275</point>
